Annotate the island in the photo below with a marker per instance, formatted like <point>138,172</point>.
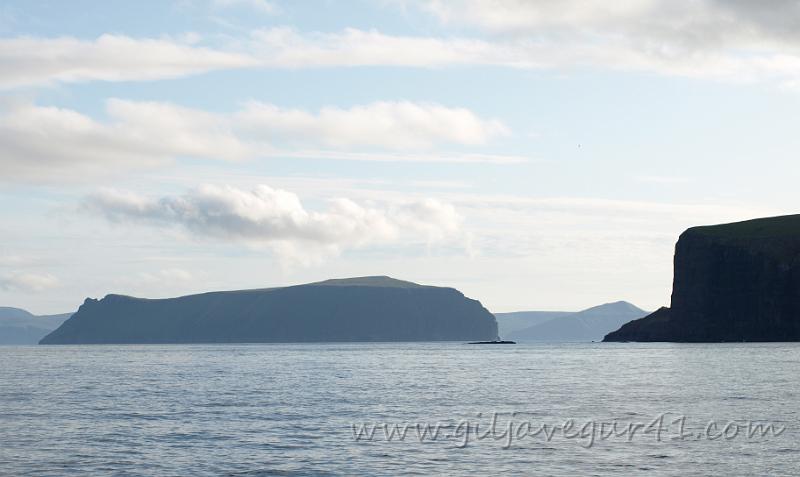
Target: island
<point>342,310</point>
<point>21,327</point>
<point>732,283</point>
<point>591,324</point>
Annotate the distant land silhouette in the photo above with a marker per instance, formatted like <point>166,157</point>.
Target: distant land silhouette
<point>511,322</point>
<point>19,327</point>
<point>591,324</point>
<point>355,309</point>
<point>732,282</point>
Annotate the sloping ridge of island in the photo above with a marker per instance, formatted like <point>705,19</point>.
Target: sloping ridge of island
<point>733,282</point>
<point>341,310</point>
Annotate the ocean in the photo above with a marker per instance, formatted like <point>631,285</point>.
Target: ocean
<point>400,409</point>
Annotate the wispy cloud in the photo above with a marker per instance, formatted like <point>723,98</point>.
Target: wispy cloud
<point>384,124</point>
<point>289,49</point>
<point>712,39</point>
<point>709,39</point>
<point>46,143</point>
<point>41,143</point>
<point>26,61</point>
<point>698,25</point>
<point>286,47</point>
<point>719,39</point>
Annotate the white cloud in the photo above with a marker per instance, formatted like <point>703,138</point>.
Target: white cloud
<point>278,220</point>
<point>285,47</point>
<point>695,24</point>
<point>46,143</point>
<point>384,124</point>
<point>28,282</point>
<point>720,39</point>
<point>28,61</point>
<point>731,41</point>
<point>168,129</point>
<point>717,39</point>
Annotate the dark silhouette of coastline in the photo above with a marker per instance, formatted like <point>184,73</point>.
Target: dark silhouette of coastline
<point>357,309</point>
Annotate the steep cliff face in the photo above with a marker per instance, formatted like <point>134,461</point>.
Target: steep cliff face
<point>733,282</point>
<point>363,309</point>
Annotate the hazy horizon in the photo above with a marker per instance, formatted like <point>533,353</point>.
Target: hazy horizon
<point>534,155</point>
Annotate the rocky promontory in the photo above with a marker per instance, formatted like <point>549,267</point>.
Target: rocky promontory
<point>732,282</point>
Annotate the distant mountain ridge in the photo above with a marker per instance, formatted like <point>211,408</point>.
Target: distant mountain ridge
<point>591,324</point>
<point>18,326</point>
<point>511,322</point>
<point>355,309</point>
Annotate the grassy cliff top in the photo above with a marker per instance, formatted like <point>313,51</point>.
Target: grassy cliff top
<point>769,227</point>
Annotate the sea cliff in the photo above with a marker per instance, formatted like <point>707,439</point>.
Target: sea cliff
<point>732,282</point>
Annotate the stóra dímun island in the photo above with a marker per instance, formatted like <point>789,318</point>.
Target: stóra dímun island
<point>356,309</point>
<point>732,282</point>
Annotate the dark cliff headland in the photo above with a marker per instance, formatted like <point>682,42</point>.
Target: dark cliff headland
<point>732,282</point>
<point>358,309</point>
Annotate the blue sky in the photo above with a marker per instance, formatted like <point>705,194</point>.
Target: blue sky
<point>535,155</point>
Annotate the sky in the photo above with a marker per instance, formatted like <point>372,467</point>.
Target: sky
<point>536,155</point>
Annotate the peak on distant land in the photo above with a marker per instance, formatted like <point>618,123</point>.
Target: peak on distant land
<point>587,325</point>
<point>18,326</point>
<point>511,322</point>
<point>354,309</point>
<point>615,308</point>
<point>733,282</point>
<point>377,281</point>
<point>7,313</point>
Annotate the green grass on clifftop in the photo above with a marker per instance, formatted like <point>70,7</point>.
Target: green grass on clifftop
<point>770,227</point>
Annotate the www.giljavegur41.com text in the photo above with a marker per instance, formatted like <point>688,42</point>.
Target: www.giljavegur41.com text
<point>508,428</point>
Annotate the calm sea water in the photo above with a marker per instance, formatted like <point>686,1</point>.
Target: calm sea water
<point>289,409</point>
